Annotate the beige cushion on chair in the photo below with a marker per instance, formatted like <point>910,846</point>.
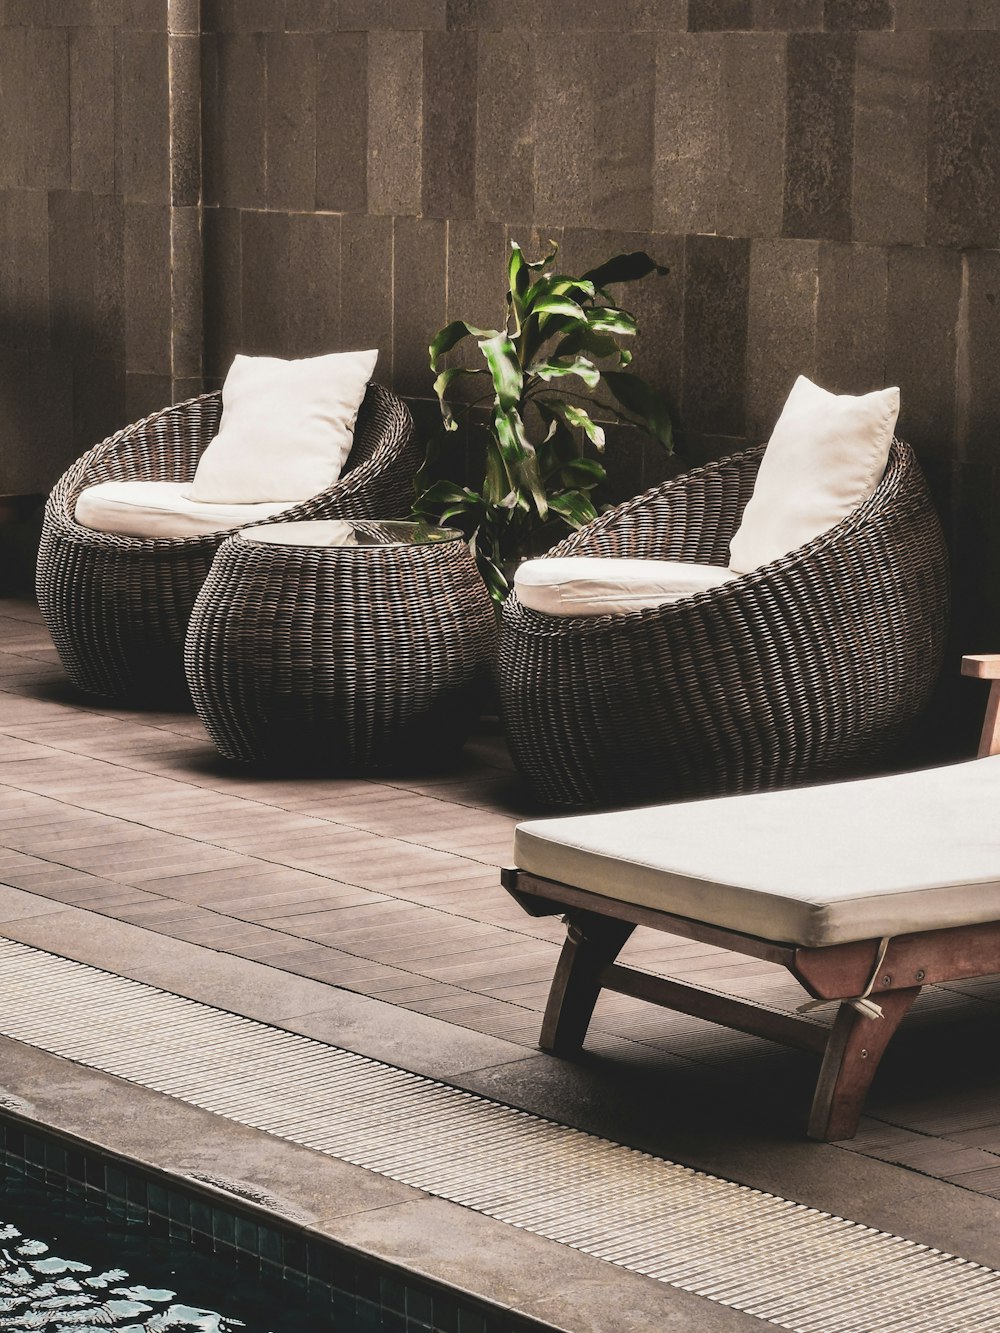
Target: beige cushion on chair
<point>161,509</point>
<point>609,586</point>
<point>826,455</point>
<point>813,866</point>
<point>286,430</point>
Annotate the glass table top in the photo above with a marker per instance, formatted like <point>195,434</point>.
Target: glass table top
<point>346,532</point>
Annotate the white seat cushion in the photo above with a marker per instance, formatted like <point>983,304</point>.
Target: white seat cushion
<point>826,455</point>
<point>608,586</point>
<point>161,509</point>
<point>286,428</point>
<point>812,866</point>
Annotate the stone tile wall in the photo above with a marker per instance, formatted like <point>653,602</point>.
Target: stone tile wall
<point>821,176</point>
<point>99,189</point>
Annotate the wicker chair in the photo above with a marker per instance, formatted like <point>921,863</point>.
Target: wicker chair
<point>811,666</point>
<point>118,607</point>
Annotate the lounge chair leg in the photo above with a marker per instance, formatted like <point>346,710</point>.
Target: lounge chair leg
<point>592,942</point>
<point>853,1052</point>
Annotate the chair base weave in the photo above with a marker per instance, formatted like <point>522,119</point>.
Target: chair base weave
<point>344,659</point>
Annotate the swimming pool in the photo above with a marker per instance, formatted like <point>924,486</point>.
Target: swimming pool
<point>89,1242</point>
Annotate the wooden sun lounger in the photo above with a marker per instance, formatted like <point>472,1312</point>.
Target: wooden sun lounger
<point>642,868</point>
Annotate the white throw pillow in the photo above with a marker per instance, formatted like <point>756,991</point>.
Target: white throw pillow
<point>583,585</point>
<point>826,455</point>
<point>286,429</point>
<point>161,509</point>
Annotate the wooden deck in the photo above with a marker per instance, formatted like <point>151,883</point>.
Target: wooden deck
<point>390,888</point>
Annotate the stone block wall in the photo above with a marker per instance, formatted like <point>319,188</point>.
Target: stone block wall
<point>821,176</point>
<point>100,252</point>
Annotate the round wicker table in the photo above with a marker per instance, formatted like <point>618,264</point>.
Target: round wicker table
<point>351,646</point>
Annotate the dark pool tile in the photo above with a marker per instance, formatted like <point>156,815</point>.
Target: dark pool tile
<point>55,1160</point>
<point>343,1309</point>
<point>269,1245</point>
<point>137,1191</point>
<point>392,1294</point>
<point>420,1305</point>
<point>114,1182</point>
<point>445,1313</point>
<point>294,1251</point>
<point>247,1241</point>
<point>223,1227</point>
<point>819,132</point>
<point>76,1166</point>
<point>963,185</point>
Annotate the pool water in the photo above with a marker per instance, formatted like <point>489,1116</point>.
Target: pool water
<point>66,1267</point>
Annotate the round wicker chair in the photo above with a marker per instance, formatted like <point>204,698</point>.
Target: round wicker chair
<point>118,607</point>
<point>810,666</point>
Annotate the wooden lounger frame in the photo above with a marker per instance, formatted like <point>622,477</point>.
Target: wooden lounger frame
<point>851,1048</point>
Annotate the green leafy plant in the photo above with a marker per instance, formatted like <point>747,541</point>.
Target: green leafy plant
<point>559,341</point>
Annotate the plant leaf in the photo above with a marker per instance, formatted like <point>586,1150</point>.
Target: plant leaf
<point>584,339</point>
<point>520,458</point>
<point>608,319</point>
<point>508,378</point>
<point>558,368</point>
<point>556,305</point>
<point>624,268</point>
<point>582,473</point>
<point>441,386</point>
<point>581,419</point>
<point>644,402</point>
<point>574,508</point>
<point>451,335</point>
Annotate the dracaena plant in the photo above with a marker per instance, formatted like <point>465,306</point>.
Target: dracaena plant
<point>559,341</point>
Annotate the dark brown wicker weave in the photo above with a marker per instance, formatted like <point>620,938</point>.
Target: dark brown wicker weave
<point>810,666</point>
<point>118,607</point>
<point>347,657</point>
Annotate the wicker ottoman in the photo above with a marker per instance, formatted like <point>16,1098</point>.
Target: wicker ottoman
<point>349,646</point>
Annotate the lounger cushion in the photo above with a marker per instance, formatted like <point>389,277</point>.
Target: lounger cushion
<point>826,455</point>
<point>161,509</point>
<point>812,866</point>
<point>286,428</point>
<point>608,586</point>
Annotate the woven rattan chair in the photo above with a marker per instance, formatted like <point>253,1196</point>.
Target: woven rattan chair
<point>810,666</point>
<point>118,607</point>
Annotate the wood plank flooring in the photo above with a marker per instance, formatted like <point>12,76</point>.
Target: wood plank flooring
<point>390,888</point>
